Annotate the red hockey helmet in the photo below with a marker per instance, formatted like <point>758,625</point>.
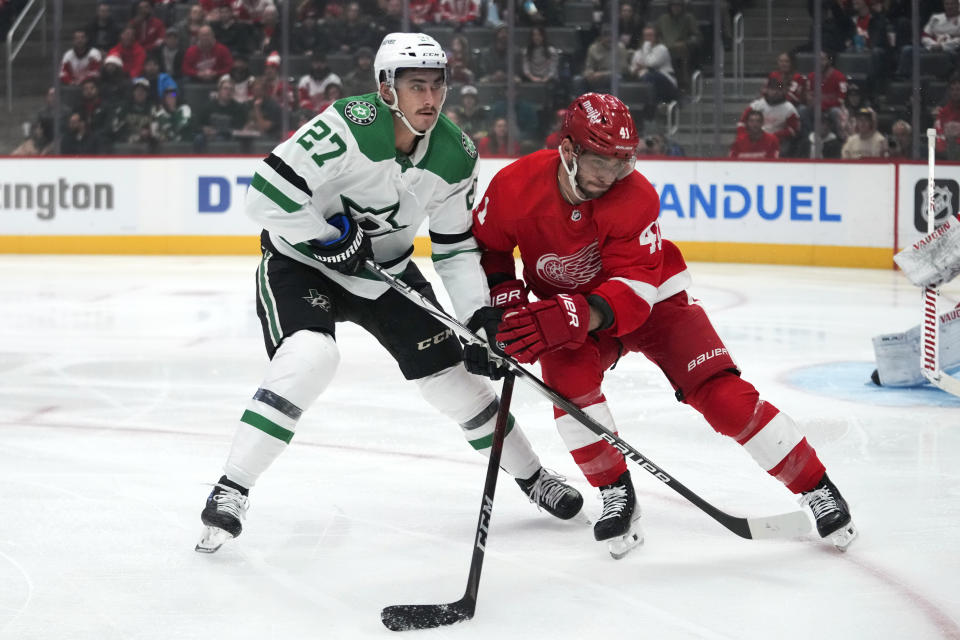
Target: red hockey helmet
<point>601,123</point>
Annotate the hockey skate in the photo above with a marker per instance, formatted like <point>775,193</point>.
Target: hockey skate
<point>619,523</point>
<point>831,513</point>
<point>548,491</point>
<point>226,506</point>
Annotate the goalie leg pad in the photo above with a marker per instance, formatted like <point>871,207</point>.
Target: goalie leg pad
<point>299,371</point>
<point>470,401</point>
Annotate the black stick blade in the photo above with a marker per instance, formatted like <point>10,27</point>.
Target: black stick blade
<point>407,617</point>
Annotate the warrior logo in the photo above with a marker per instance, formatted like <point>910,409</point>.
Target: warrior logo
<point>317,299</point>
<point>569,272</point>
<point>360,112</point>
<point>946,197</point>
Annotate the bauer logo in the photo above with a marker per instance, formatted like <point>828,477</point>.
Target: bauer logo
<point>946,199</point>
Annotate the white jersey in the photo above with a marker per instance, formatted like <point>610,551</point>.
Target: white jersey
<point>345,161</point>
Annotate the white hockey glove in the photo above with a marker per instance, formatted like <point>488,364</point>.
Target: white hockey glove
<point>935,259</point>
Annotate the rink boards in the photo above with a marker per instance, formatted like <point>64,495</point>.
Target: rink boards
<point>785,212</point>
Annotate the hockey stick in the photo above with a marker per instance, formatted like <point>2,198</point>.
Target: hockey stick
<point>930,327</point>
<point>406,617</point>
<point>783,525</point>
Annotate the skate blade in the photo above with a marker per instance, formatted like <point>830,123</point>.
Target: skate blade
<point>842,537</point>
<point>581,517</point>
<point>211,539</point>
<point>622,545</point>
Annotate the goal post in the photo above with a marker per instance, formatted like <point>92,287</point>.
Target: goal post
<point>930,297</point>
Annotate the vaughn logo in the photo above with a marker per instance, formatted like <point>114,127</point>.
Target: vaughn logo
<point>946,200</point>
<point>49,198</point>
<point>703,357</point>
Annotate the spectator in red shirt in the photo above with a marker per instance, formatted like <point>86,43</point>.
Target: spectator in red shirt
<point>130,51</point>
<point>495,143</point>
<point>423,12</point>
<point>792,80</point>
<point>757,143</point>
<point>458,12</point>
<point>948,119</point>
<point>779,116</point>
<point>207,60</point>
<point>148,28</point>
<point>80,62</point>
<point>833,93</point>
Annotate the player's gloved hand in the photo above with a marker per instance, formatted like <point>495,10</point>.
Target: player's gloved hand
<point>347,253</point>
<point>531,330</point>
<point>476,357</point>
<point>509,294</point>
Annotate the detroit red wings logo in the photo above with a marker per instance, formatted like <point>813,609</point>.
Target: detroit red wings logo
<point>569,272</point>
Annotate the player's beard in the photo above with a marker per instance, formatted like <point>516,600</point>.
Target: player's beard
<point>590,194</point>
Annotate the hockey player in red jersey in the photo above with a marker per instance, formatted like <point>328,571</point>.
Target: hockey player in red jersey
<point>608,284</point>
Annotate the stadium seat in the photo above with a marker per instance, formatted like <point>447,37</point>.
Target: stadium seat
<point>804,62</point>
<point>299,65</point>
<point>636,94</point>
<point>488,93</point>
<point>256,62</point>
<point>441,34</point>
<point>197,94</point>
<point>857,66</point>
<point>534,93</point>
<point>340,63</point>
<point>936,63</point>
<point>578,14</point>
<point>482,37</point>
<point>567,39</point>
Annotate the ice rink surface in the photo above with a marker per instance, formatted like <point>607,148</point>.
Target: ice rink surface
<point>121,381</point>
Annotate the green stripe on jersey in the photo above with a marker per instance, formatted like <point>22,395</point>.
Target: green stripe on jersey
<point>267,426</point>
<point>266,299</point>
<point>487,441</point>
<point>278,197</point>
<point>437,257</point>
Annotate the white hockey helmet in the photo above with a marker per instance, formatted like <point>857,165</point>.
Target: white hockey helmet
<point>407,50</point>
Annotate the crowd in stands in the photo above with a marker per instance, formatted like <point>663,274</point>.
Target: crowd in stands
<point>866,86</point>
<point>193,75</point>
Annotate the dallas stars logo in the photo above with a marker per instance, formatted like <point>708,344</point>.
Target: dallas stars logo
<point>374,222</point>
<point>360,112</point>
<point>468,145</point>
<point>317,299</point>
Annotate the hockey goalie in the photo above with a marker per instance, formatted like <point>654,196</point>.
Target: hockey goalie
<point>930,262</point>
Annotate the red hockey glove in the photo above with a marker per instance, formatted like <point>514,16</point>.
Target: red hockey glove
<point>560,321</point>
<point>509,294</point>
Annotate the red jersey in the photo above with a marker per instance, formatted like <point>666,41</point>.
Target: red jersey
<point>833,88</point>
<point>795,86</point>
<point>610,246</point>
<point>947,113</point>
<point>743,148</point>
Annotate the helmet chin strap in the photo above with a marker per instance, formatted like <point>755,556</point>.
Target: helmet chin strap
<point>395,109</point>
<point>572,175</point>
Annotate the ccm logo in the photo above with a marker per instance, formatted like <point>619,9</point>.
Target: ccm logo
<point>437,339</point>
<point>703,357</point>
<point>505,298</point>
<point>571,309</point>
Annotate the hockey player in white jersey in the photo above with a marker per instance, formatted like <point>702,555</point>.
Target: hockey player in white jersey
<point>356,182</point>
